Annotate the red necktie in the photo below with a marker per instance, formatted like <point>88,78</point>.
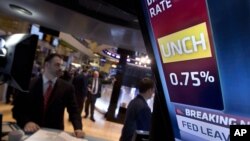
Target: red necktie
<point>47,94</point>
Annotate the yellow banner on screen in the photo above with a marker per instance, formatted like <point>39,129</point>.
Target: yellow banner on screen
<point>188,44</point>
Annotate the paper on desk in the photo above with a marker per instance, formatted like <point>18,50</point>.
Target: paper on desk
<point>45,135</point>
<point>68,137</point>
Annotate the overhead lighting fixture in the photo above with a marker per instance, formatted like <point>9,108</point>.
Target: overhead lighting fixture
<point>113,66</point>
<point>20,9</point>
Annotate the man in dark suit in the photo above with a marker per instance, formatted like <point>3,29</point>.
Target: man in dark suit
<point>138,115</point>
<point>80,83</point>
<point>94,91</point>
<point>44,105</point>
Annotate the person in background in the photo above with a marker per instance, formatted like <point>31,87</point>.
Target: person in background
<point>80,83</point>
<point>138,114</point>
<point>94,91</point>
<point>46,101</point>
<point>66,76</point>
<point>36,69</point>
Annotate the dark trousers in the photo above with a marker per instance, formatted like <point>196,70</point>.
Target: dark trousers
<point>91,99</point>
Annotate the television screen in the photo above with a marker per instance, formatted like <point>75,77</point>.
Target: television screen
<point>35,30</point>
<point>55,41</point>
<point>201,51</point>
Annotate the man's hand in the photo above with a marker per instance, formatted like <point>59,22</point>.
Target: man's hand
<point>90,90</point>
<point>79,133</point>
<point>31,127</point>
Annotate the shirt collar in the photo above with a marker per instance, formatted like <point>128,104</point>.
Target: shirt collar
<point>45,80</point>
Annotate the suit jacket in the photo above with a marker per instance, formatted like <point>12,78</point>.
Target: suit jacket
<point>100,82</point>
<point>30,106</point>
<point>98,94</point>
<point>138,117</point>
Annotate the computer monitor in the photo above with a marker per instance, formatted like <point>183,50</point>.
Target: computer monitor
<point>17,55</point>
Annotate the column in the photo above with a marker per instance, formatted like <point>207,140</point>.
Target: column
<point>110,115</point>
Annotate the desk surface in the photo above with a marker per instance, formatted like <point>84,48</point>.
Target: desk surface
<point>45,134</point>
<point>9,126</point>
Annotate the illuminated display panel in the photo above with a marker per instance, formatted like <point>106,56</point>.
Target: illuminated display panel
<point>200,49</point>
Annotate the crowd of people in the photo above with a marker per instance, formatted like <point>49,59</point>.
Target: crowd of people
<point>53,90</point>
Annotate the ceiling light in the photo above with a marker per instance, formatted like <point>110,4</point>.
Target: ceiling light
<point>113,66</point>
<point>20,9</point>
